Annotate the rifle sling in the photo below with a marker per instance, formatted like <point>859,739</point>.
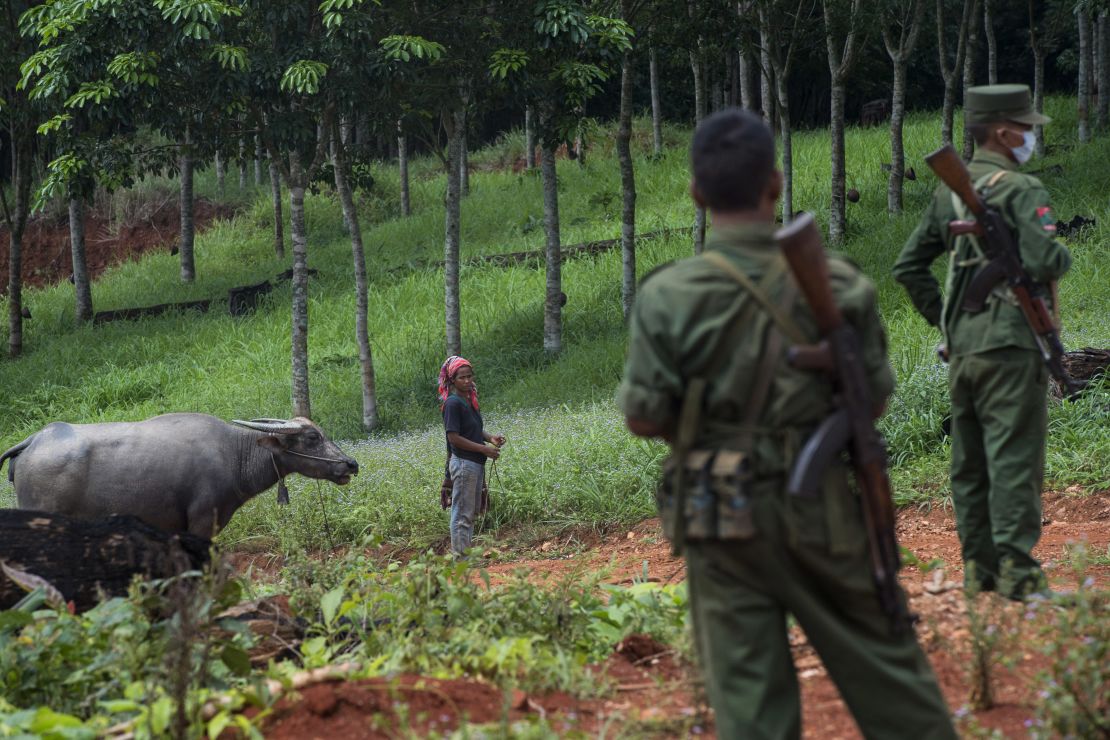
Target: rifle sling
<point>785,323</point>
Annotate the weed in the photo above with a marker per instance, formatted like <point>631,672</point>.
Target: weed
<point>1074,699</point>
<point>994,630</point>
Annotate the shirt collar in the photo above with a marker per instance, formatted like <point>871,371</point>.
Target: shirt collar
<point>757,234</point>
<point>1000,160</point>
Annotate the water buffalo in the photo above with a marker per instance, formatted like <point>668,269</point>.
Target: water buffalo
<point>175,472</point>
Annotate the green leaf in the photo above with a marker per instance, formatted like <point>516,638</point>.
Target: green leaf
<point>218,724</point>
<point>13,618</point>
<point>236,659</point>
<point>329,604</point>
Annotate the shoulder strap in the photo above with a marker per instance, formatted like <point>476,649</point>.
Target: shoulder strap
<point>785,323</point>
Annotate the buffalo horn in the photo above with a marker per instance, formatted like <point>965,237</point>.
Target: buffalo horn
<point>270,426</point>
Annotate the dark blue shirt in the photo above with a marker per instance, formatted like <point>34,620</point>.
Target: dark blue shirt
<point>461,418</point>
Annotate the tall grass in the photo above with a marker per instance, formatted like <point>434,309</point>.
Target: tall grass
<point>568,459</point>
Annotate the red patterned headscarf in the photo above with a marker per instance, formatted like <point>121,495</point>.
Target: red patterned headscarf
<point>447,372</point>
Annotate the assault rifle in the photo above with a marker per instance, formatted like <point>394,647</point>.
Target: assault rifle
<point>1004,264</point>
<point>852,425</point>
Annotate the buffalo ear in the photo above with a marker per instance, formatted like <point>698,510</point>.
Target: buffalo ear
<point>271,443</point>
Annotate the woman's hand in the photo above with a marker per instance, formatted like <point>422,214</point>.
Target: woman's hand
<point>492,452</point>
<point>498,439</point>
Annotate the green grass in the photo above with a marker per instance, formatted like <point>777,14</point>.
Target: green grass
<point>568,460</point>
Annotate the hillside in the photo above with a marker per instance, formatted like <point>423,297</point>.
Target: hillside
<point>568,460</point>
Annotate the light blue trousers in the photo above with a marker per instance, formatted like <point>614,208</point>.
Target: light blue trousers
<point>466,479</point>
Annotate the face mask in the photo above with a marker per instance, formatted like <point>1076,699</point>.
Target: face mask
<point>1025,151</point>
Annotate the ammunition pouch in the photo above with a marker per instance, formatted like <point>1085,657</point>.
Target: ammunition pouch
<point>716,503</point>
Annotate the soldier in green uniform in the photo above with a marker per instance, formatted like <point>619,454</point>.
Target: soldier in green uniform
<point>997,380</point>
<point>706,371</point>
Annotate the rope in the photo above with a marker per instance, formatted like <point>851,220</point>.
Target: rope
<point>324,510</point>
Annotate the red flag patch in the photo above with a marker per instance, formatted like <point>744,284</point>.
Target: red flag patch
<point>1047,219</point>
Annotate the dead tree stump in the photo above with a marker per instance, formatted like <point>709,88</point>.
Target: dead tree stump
<point>85,559</point>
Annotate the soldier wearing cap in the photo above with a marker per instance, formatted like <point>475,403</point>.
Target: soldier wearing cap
<point>997,380</point>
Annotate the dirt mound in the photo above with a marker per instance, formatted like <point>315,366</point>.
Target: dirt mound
<point>46,251</point>
<point>640,648</point>
<point>384,708</point>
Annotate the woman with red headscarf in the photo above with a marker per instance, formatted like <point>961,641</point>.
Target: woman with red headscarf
<point>466,446</point>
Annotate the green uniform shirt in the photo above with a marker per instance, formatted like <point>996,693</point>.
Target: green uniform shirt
<point>1023,203</point>
<point>685,325</point>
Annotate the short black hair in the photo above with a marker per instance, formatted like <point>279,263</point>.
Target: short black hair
<point>733,158</point>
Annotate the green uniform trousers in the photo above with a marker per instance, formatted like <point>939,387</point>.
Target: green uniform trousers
<point>808,559</point>
<point>999,422</point>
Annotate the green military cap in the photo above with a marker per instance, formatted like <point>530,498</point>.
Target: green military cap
<point>990,103</point>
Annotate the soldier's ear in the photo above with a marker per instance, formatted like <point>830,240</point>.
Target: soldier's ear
<point>695,194</point>
<point>774,186</point>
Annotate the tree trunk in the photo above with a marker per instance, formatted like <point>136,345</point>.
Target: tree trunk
<point>298,182</point>
<point>841,57</point>
<point>17,222</point>
<point>1038,76</point>
<point>83,305</point>
<point>783,105</point>
<point>221,174</point>
<point>992,48</point>
<point>747,84</point>
<point>257,160</point>
<point>972,48</point>
<point>1103,70</point>
<point>242,163</point>
<point>766,80</point>
<point>837,218</point>
<point>464,164</point>
<point>362,336</point>
<point>403,168</point>
<point>529,139</point>
<point>897,152</point>
<point>951,75</point>
<point>185,248</point>
<point>1083,109</point>
<point>698,69</point>
<point>656,105</point>
<point>553,297</point>
<point>628,188</point>
<point>275,192</point>
<point>456,133</point>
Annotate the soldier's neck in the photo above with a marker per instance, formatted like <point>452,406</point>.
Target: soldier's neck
<point>724,219</point>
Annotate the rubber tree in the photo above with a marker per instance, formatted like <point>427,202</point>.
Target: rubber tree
<point>698,55</point>
<point>1083,103</point>
<point>558,55</point>
<point>970,59</point>
<point>629,11</point>
<point>780,31</point>
<point>950,68</point>
<point>992,42</point>
<point>842,40</point>
<point>901,26</point>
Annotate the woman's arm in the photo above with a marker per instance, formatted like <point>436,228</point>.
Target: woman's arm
<point>460,442</point>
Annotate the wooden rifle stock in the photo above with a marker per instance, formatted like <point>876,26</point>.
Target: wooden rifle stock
<point>804,250</point>
<point>952,171</point>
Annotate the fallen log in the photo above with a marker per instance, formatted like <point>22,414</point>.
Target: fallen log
<point>142,312</point>
<point>1084,365</point>
<point>87,559</point>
